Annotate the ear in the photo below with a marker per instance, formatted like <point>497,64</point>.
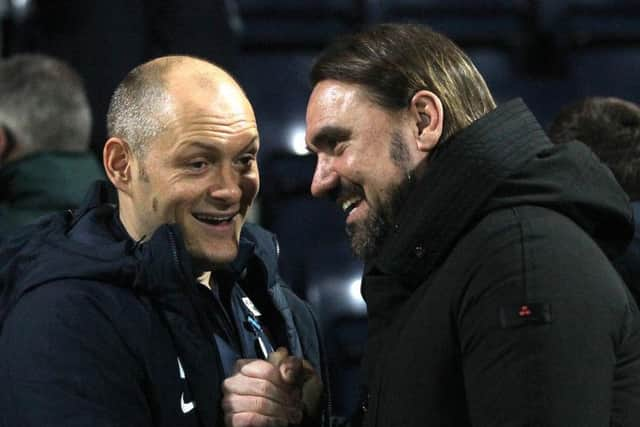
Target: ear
<point>427,115</point>
<point>117,159</point>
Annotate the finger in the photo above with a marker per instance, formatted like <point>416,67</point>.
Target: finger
<point>311,390</point>
<point>262,369</point>
<point>278,356</point>
<point>308,370</point>
<point>249,386</point>
<point>290,366</point>
<point>291,370</point>
<point>246,419</point>
<point>234,403</point>
<point>240,363</point>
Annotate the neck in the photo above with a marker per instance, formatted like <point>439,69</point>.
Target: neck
<point>128,221</point>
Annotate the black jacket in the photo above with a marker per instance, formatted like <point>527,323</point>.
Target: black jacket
<point>493,302</point>
<point>628,264</point>
<point>98,330</point>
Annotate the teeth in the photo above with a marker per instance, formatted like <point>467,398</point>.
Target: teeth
<point>213,219</point>
<point>349,204</point>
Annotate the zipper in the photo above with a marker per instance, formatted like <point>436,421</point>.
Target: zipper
<point>224,323</point>
<point>174,249</point>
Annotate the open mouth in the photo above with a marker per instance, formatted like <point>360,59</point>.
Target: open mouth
<point>349,196</point>
<point>350,204</point>
<point>214,219</point>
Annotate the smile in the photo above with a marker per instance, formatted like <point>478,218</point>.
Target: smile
<point>350,204</point>
<point>214,219</point>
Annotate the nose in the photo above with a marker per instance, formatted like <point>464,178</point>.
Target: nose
<point>225,186</point>
<point>325,178</point>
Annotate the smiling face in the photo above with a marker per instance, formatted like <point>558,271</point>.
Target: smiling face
<point>364,157</point>
<point>201,171</point>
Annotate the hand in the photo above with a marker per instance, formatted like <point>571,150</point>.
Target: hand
<point>265,393</point>
<point>311,391</point>
<point>300,373</point>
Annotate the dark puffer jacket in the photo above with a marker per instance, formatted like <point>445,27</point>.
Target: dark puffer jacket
<point>98,330</point>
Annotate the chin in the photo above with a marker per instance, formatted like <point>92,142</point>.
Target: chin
<point>220,256</point>
<point>206,258</point>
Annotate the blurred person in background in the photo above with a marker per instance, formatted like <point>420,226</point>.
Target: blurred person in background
<point>45,125</point>
<point>103,40</point>
<point>490,296</point>
<point>611,128</point>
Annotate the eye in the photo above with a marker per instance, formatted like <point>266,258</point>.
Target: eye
<point>339,147</point>
<point>197,165</point>
<point>246,160</point>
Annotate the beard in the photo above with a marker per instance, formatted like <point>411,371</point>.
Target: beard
<point>368,235</point>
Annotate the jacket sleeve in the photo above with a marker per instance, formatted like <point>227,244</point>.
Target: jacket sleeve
<point>63,363</point>
<point>548,332</point>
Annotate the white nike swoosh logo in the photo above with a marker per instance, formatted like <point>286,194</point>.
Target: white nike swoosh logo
<point>186,407</point>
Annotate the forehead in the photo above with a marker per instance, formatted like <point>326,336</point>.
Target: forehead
<point>215,116</point>
<point>333,97</point>
<point>208,93</point>
<point>335,104</point>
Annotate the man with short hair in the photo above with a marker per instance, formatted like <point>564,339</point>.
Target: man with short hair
<point>133,314</point>
<point>45,125</point>
<point>611,128</point>
<point>490,298</point>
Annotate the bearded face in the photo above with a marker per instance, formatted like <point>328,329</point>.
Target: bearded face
<point>368,234</point>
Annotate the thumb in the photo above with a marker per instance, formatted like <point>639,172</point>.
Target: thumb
<point>278,356</point>
<point>290,367</point>
<point>291,371</point>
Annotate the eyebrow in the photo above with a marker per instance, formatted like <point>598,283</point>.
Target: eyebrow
<point>330,134</point>
<point>253,143</point>
<point>208,147</point>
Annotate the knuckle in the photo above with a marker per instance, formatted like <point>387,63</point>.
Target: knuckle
<point>226,384</point>
<point>244,420</point>
<point>259,404</point>
<point>231,420</point>
<point>263,388</point>
<point>252,420</point>
<point>227,404</point>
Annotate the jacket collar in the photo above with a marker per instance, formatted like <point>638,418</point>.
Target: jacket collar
<point>460,178</point>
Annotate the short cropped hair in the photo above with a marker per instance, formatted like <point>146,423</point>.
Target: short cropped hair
<point>611,128</point>
<point>394,61</point>
<point>134,113</point>
<point>43,103</point>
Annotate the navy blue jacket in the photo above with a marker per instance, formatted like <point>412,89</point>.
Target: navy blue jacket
<point>98,330</point>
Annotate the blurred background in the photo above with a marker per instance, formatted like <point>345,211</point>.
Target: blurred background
<point>550,53</point>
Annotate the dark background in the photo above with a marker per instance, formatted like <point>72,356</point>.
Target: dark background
<point>550,53</point>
